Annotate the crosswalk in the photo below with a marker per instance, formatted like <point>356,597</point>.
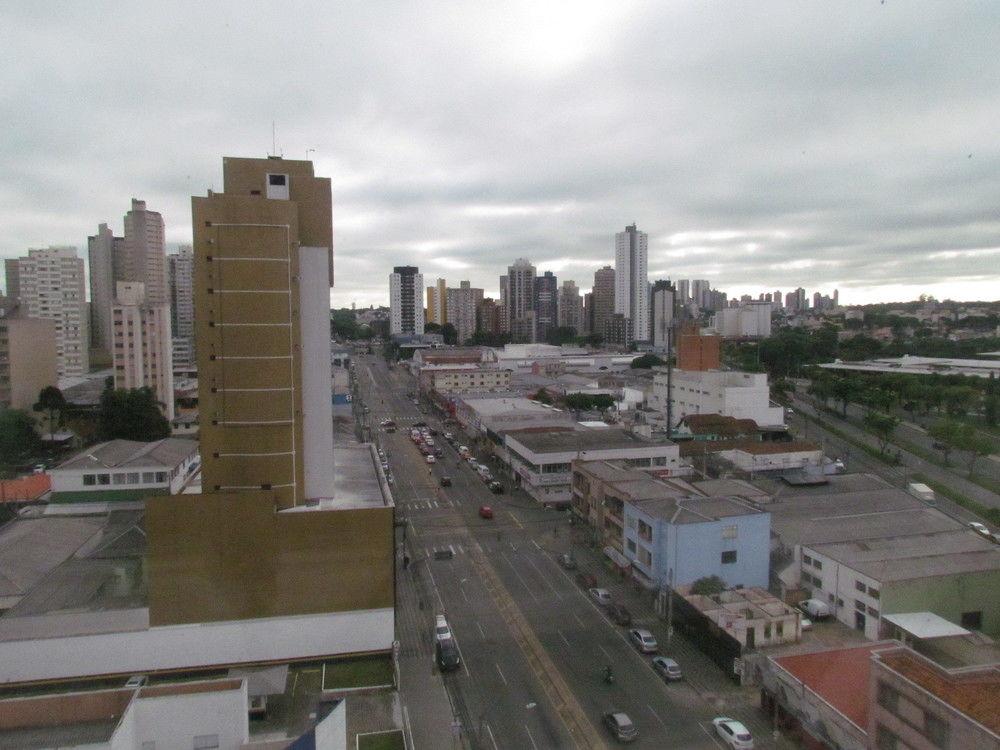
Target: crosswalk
<point>428,504</point>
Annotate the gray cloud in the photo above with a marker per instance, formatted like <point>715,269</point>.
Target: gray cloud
<point>835,140</point>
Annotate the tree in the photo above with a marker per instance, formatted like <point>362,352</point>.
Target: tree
<point>946,433</point>
<point>450,333</point>
<point>708,586</point>
<point>977,445</point>
<point>883,425</point>
<point>647,361</point>
<point>780,388</point>
<point>131,415</point>
<point>559,335</point>
<point>432,328</point>
<point>52,402</point>
<point>602,401</point>
<point>991,406</point>
<point>17,435</point>
<point>959,398</point>
<point>592,340</point>
<point>542,396</point>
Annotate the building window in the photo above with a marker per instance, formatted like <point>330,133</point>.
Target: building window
<point>885,739</point>
<point>645,557</point>
<point>148,477</point>
<point>859,586</point>
<point>806,560</point>
<point>729,557</point>
<point>118,479</point>
<point>161,477</point>
<point>818,565</point>
<point>936,730</point>
<point>729,532</point>
<point>859,605</point>
<point>104,479</point>
<point>872,611</point>
<point>89,480</point>
<point>133,477</point>
<point>888,697</point>
<point>205,742</point>
<point>767,631</point>
<point>873,592</point>
<point>972,620</point>
<point>779,629</point>
<point>631,545</point>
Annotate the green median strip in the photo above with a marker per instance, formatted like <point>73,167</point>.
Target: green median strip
<point>391,740</point>
<point>990,514</point>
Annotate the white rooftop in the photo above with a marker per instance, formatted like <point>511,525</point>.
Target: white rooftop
<point>925,625</point>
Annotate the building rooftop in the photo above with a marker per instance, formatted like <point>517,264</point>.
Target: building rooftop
<point>119,454</point>
<point>685,510</point>
<point>901,558</point>
<point>982,368</point>
<point>839,676</point>
<point>925,625</point>
<point>584,440</point>
<point>719,424</point>
<point>509,404</point>
<point>732,605</point>
<point>754,447</point>
<point>974,692</point>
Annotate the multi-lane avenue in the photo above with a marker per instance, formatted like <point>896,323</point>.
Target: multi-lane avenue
<point>533,645</point>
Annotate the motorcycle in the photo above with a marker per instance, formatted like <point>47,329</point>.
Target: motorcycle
<point>609,676</point>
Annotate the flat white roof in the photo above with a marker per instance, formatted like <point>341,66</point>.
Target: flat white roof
<point>925,625</point>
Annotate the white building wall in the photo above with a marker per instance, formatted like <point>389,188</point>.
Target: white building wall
<point>173,721</point>
<point>317,399</point>
<point>839,589</point>
<point>733,394</point>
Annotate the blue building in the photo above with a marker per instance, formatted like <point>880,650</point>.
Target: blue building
<point>695,537</point>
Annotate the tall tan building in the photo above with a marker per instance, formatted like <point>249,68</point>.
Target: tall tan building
<point>270,537</point>
<point>462,304</point>
<point>143,256</point>
<point>27,357</point>
<point>142,351</point>
<point>437,303</point>
<point>49,283</point>
<point>603,299</point>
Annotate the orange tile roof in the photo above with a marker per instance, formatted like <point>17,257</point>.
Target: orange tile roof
<point>30,487</point>
<point>840,677</point>
<point>975,693</point>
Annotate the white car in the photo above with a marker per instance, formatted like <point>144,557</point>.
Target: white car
<point>733,733</point>
<point>601,596</point>
<point>980,527</point>
<point>643,640</point>
<point>442,631</point>
<point>668,669</point>
<point>806,624</point>
<point>430,459</point>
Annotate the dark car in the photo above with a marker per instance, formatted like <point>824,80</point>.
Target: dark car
<point>620,725</point>
<point>567,561</point>
<point>446,481</point>
<point>619,615</point>
<point>586,580</point>
<point>419,424</point>
<point>447,655</point>
<point>496,488</point>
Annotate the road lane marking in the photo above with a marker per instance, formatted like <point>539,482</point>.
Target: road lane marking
<point>409,729</point>
<point>605,652</point>
<point>516,521</point>
<point>530,737</point>
<point>657,717</point>
<point>575,615</point>
<point>519,577</point>
<point>536,545</point>
<point>544,578</point>
<point>501,674</point>
<point>711,735</point>
<point>565,640</point>
<point>460,550</point>
<point>481,631</point>
<point>492,738</point>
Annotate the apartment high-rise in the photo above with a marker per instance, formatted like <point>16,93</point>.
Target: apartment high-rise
<point>462,304</point>
<point>631,282</point>
<point>489,317</point>
<point>102,249</point>
<point>50,284</point>
<point>27,356</point>
<point>437,303</point>
<point>180,276</point>
<point>546,304</point>
<point>603,299</point>
<point>700,289</point>
<point>518,288</point>
<point>270,509</point>
<point>571,307</point>
<point>587,323</point>
<point>406,305</point>
<point>683,291</point>
<point>663,314</point>
<point>142,350</point>
<point>143,255</point>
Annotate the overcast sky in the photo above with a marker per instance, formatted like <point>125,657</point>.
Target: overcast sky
<point>761,145</point>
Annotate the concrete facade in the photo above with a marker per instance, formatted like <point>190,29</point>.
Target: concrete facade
<point>518,291</point>
<point>406,309</point>
<point>462,304</point>
<point>571,307</point>
<point>144,256</point>
<point>602,299</point>
<point>743,395</point>
<point>28,360</point>
<point>142,348</point>
<point>631,280</point>
<point>102,250</point>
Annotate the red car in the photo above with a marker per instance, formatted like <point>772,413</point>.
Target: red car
<point>485,511</point>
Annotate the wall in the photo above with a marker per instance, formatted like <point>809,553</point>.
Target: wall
<point>838,590</point>
<point>949,597</point>
<point>173,721</point>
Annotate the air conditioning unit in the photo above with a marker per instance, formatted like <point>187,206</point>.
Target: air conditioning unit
<point>257,705</point>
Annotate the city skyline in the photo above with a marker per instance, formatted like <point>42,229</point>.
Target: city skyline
<point>882,182</point>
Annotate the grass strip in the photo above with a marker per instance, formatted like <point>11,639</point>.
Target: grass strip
<point>989,514</point>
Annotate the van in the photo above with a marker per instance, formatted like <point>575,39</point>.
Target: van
<point>815,608</point>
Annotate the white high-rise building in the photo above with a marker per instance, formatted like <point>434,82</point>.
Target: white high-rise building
<point>519,301</point>
<point>571,307</point>
<point>144,257</point>
<point>631,281</point>
<point>699,293</point>
<point>180,267</point>
<point>143,350</point>
<point>102,249</point>
<point>50,284</point>
<point>406,301</point>
<point>663,315</point>
<point>462,304</point>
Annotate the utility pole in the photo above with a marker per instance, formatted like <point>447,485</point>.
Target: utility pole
<point>670,379</point>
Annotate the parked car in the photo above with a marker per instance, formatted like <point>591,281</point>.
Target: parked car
<point>620,726</point>
<point>643,640</point>
<point>446,481</point>
<point>601,596</point>
<point>449,436</point>
<point>980,527</point>
<point>567,561</point>
<point>447,655</point>
<point>485,511</point>
<point>496,488</point>
<point>815,609</point>
<point>441,630</point>
<point>805,623</point>
<point>668,669</point>
<point>586,580</point>
<point>733,733</point>
<point>430,458</point>
<point>619,615</point>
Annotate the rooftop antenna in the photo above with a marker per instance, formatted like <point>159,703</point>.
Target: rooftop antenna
<point>308,150</point>
<point>274,148</point>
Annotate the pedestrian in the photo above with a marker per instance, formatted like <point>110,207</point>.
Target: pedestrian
<point>406,562</point>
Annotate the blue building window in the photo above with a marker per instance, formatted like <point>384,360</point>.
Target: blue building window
<point>729,557</point>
